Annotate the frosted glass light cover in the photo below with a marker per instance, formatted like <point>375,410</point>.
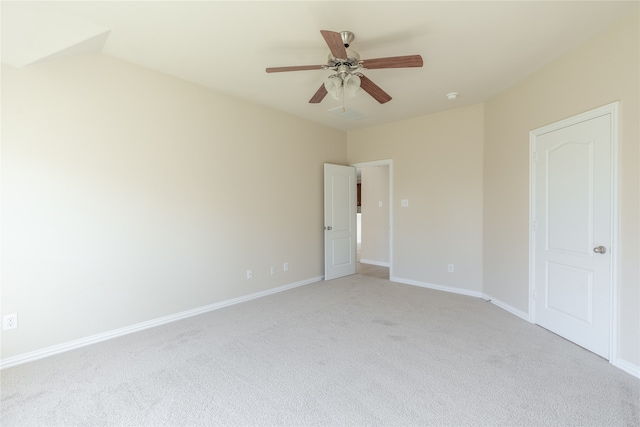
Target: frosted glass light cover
<point>333,84</point>
<point>351,85</point>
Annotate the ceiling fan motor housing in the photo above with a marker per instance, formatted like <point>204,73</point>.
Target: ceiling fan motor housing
<point>353,57</point>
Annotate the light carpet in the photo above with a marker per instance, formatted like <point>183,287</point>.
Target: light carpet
<point>352,351</point>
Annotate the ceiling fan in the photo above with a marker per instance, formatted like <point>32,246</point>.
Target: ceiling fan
<point>347,65</point>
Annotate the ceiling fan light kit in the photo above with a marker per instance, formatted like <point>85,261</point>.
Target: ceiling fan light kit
<point>339,86</point>
<point>347,64</point>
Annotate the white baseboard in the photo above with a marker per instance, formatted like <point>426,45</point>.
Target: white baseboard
<point>380,263</point>
<point>468,292</point>
<point>628,367</point>
<point>82,342</point>
<point>521,314</point>
<point>437,287</point>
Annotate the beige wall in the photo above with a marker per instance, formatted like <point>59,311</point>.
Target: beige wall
<point>375,218</point>
<point>437,166</point>
<point>602,71</point>
<point>128,195</point>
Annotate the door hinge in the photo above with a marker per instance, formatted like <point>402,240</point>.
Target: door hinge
<point>535,156</point>
<point>535,225</point>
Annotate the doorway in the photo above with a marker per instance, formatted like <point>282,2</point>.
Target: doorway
<point>375,213</point>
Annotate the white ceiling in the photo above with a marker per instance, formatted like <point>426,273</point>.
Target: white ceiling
<point>476,48</point>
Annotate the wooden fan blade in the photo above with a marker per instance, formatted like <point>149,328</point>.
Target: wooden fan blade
<point>374,90</point>
<point>334,41</point>
<point>294,68</point>
<point>393,62</point>
<point>319,95</point>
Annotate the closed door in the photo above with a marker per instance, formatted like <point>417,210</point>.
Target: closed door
<point>573,232</point>
<point>339,221</point>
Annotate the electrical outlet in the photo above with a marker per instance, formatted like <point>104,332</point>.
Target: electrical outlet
<point>10,321</point>
<point>249,274</point>
<point>273,271</point>
<point>285,266</point>
<point>450,268</point>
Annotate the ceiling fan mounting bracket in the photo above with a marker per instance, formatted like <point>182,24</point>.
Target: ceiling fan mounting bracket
<point>347,37</point>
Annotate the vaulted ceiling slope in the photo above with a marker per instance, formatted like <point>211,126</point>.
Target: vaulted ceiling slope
<point>475,48</point>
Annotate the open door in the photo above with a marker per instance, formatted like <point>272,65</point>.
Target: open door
<point>339,221</point>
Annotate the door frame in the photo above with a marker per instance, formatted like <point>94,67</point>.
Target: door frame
<point>611,109</point>
<point>386,162</point>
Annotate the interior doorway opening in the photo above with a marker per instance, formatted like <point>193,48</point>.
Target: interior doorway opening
<point>374,214</point>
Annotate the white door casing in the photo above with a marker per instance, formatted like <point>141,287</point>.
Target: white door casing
<point>339,221</point>
<point>573,216</point>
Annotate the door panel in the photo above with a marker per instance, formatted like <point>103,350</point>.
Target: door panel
<point>339,221</point>
<point>341,250</point>
<point>569,291</point>
<point>573,201</point>
<point>569,193</point>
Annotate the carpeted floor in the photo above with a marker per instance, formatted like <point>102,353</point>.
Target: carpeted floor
<point>352,351</point>
<point>370,270</point>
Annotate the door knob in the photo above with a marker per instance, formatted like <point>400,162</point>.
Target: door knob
<point>328,228</point>
<point>600,249</point>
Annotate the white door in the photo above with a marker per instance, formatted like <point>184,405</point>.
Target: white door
<point>339,221</point>
<point>572,231</point>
